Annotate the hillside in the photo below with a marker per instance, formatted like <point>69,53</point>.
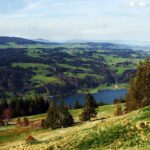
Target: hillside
<point>28,67</point>
<point>125,132</point>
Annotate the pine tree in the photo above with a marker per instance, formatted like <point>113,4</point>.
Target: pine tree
<point>52,116</point>
<point>57,116</point>
<point>68,106</point>
<point>76,105</point>
<point>65,118</point>
<point>118,111</point>
<point>139,91</point>
<point>90,108</point>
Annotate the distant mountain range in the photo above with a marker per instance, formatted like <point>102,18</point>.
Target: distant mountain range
<point>18,40</point>
<point>104,43</point>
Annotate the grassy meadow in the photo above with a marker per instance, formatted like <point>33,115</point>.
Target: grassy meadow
<point>104,132</point>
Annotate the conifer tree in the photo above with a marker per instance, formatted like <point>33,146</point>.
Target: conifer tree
<point>57,116</point>
<point>52,116</point>
<point>118,111</point>
<point>139,90</point>
<point>65,118</point>
<point>76,105</point>
<point>90,108</point>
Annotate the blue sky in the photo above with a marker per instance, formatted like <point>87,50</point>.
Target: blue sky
<point>63,20</point>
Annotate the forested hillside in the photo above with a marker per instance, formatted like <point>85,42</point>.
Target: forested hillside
<point>27,66</point>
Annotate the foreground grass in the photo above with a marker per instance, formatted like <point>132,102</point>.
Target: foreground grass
<point>130,131</point>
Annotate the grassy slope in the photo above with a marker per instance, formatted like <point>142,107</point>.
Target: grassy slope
<point>125,132</point>
<point>41,71</point>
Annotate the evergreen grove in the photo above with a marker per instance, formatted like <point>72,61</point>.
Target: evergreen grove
<point>139,90</point>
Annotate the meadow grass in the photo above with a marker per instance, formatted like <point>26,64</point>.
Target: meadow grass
<point>46,79</point>
<point>30,65</point>
<point>33,52</point>
<point>41,72</point>
<point>73,67</point>
<point>129,132</point>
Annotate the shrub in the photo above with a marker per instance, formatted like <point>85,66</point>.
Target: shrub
<point>19,122</point>
<point>25,121</point>
<point>30,140</point>
<point>44,124</point>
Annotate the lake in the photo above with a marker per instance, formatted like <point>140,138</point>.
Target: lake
<point>106,96</point>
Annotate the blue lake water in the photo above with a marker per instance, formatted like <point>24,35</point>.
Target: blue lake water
<point>106,96</point>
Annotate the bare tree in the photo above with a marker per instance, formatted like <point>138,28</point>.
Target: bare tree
<point>7,114</point>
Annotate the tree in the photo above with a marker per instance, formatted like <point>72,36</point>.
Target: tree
<point>68,106</point>
<point>1,122</point>
<point>3,105</point>
<point>52,117</point>
<point>7,114</point>
<point>25,122</point>
<point>57,116</point>
<point>118,111</point>
<point>76,105</point>
<point>90,108</point>
<point>139,90</point>
<point>65,118</point>
<point>85,116</point>
<point>19,122</point>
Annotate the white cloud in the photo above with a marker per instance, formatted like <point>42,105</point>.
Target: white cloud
<point>33,5</point>
<point>137,4</point>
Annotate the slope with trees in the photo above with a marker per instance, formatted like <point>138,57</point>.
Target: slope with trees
<point>139,91</point>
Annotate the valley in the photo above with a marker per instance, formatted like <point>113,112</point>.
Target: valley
<point>29,67</point>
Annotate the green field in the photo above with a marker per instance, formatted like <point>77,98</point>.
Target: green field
<point>41,71</point>
<point>45,79</point>
<point>33,52</point>
<point>127,132</point>
<point>73,67</point>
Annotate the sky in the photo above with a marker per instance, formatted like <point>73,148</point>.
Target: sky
<point>69,20</point>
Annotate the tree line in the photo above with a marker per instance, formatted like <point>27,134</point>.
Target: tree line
<point>138,95</point>
<point>20,106</point>
<point>139,90</point>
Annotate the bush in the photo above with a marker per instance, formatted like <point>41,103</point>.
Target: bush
<point>100,138</point>
<point>44,124</point>
<point>25,121</point>
<point>19,122</point>
<point>30,140</point>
